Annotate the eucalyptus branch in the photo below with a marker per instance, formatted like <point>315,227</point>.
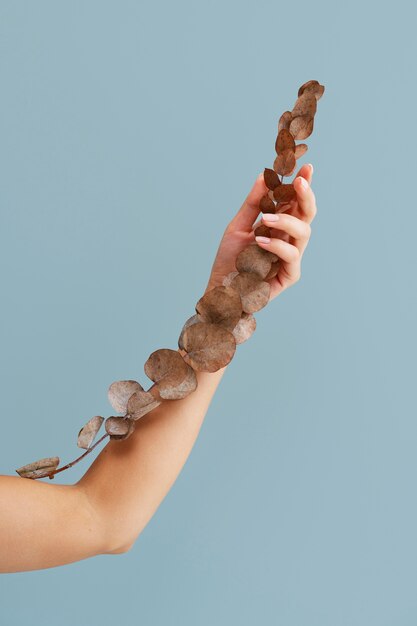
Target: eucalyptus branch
<point>224,314</point>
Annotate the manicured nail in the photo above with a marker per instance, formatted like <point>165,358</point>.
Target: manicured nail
<point>262,239</point>
<point>304,183</point>
<point>311,167</point>
<point>270,217</point>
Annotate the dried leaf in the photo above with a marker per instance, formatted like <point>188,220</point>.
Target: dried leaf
<point>271,179</point>
<point>306,105</point>
<point>274,270</point>
<point>39,469</point>
<point>285,193</point>
<point>119,393</point>
<point>245,328</point>
<point>301,127</point>
<point>191,320</point>
<point>141,403</point>
<point>300,149</point>
<point>254,292</point>
<point>174,377</point>
<point>285,120</point>
<point>312,86</point>
<point>266,204</point>
<point>119,427</point>
<point>284,164</point>
<point>255,259</point>
<point>261,231</point>
<point>209,347</point>
<point>221,306</point>
<point>227,280</point>
<point>285,141</point>
<point>88,432</point>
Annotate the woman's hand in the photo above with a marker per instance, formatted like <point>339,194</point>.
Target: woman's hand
<point>290,233</point>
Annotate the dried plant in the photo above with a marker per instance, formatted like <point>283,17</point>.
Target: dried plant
<point>224,315</point>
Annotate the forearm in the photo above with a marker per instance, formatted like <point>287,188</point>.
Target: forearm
<point>129,479</point>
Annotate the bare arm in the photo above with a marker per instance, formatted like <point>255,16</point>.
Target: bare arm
<point>45,525</point>
<point>130,478</point>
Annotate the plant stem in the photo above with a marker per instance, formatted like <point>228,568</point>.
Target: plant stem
<point>61,469</point>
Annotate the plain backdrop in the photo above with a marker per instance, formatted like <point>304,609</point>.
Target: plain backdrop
<point>130,134</point>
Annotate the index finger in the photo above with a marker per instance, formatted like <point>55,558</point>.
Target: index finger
<point>306,199</point>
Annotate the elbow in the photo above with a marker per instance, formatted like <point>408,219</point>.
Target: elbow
<point>119,548</point>
<point>110,539</point>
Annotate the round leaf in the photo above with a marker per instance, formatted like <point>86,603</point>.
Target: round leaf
<point>285,120</point>
<point>301,127</point>
<point>174,377</point>
<point>254,292</point>
<point>88,432</point>
<point>245,327</point>
<point>285,141</point>
<point>119,393</point>
<point>119,427</point>
<point>221,305</point>
<point>255,259</point>
<point>39,469</point>
<point>141,403</point>
<point>209,347</point>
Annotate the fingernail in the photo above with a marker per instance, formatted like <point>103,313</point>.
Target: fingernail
<point>262,239</point>
<point>311,167</point>
<point>304,183</point>
<point>270,217</point>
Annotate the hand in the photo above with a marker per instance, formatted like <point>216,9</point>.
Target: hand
<point>290,234</point>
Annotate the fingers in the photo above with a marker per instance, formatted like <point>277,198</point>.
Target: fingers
<point>288,253</point>
<point>306,171</point>
<point>291,225</point>
<point>249,211</point>
<point>305,198</point>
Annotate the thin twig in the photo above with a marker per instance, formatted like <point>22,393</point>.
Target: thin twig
<point>61,469</point>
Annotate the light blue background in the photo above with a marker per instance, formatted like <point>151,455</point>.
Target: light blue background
<point>130,134</point>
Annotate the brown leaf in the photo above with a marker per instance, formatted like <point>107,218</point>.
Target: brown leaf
<point>88,432</point>
<point>271,179</point>
<point>261,231</point>
<point>141,403</point>
<point>285,141</point>
<point>284,120</point>
<point>254,292</point>
<point>274,270</point>
<point>191,320</point>
<point>119,393</point>
<point>174,377</point>
<point>255,260</point>
<point>209,346</point>
<point>306,104</point>
<point>119,427</point>
<point>284,164</point>
<point>266,205</point>
<point>285,193</point>
<point>221,306</point>
<point>245,327</point>
<point>300,149</point>
<point>301,127</point>
<point>39,469</point>
<point>228,279</point>
<point>314,87</point>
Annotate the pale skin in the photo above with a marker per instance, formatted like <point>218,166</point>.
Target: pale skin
<point>45,525</point>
